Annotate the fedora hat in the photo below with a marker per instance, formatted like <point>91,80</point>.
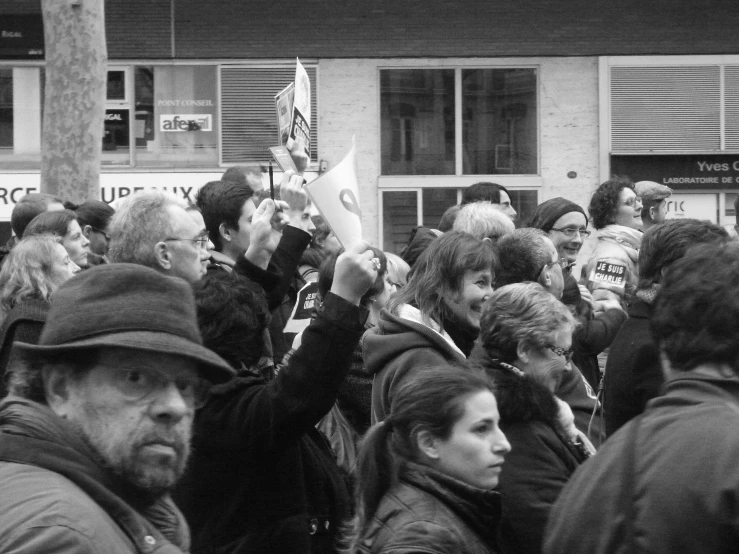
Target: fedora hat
<point>129,306</point>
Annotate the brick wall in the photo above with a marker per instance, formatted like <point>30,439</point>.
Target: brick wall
<point>469,28</point>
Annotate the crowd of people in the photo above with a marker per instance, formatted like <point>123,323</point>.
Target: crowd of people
<point>563,384</point>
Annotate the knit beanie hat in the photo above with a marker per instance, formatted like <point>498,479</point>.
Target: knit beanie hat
<point>547,213</point>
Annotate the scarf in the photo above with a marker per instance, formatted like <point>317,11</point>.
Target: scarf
<point>32,434</point>
<point>411,313</point>
<point>648,294</point>
<point>629,239</point>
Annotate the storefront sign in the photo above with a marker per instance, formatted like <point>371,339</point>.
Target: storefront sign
<point>717,171</point>
<point>22,37</point>
<point>185,122</point>
<point>697,206</point>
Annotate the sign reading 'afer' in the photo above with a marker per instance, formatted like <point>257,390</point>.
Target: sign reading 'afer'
<point>185,122</point>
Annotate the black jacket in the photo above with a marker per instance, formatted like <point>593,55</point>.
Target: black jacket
<point>433,513</point>
<point>633,372</point>
<point>261,477</point>
<point>539,464</point>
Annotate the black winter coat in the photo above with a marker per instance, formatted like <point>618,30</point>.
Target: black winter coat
<point>539,464</point>
<point>261,478</point>
<point>633,371</point>
<point>433,513</point>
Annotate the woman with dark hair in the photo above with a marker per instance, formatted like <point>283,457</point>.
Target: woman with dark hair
<point>425,476</point>
<point>33,270</point>
<point>93,217</point>
<point>434,319</point>
<point>64,225</point>
<point>616,213</point>
<point>527,334</point>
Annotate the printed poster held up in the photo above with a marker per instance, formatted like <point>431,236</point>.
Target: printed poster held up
<point>300,125</point>
<point>336,195</point>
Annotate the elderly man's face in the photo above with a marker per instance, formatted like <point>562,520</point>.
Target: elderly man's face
<point>189,257</point>
<point>135,410</point>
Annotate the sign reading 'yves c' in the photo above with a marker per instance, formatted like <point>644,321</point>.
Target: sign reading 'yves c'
<point>719,171</point>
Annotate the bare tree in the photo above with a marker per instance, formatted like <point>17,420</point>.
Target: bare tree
<point>74,106</point>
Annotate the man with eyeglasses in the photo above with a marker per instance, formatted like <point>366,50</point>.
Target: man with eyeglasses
<point>96,428</point>
<point>154,228</point>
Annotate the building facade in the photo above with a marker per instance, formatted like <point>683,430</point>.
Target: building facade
<point>548,98</point>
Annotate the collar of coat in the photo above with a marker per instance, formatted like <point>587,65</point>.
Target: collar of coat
<point>32,434</point>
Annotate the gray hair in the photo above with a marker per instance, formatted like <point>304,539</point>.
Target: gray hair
<point>25,372</point>
<point>522,255</point>
<point>483,220</point>
<point>522,313</point>
<point>140,221</point>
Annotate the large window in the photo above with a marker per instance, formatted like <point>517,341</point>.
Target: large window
<point>402,210</point>
<point>21,107</point>
<point>459,121</point>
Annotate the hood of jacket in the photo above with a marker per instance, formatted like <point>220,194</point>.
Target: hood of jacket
<point>395,334</point>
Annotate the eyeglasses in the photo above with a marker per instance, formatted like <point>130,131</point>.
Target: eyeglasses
<point>202,242</point>
<point>138,384</point>
<point>570,232</point>
<point>564,263</point>
<point>632,202</point>
<point>393,283</point>
<point>106,235</point>
<point>561,352</point>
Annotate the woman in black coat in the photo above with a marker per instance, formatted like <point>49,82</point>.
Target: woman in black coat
<point>527,334</point>
<point>425,476</point>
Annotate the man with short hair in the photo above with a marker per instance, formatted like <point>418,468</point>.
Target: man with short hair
<point>268,255</point>
<point>654,202</point>
<point>668,480</point>
<point>529,255</point>
<point>633,375</point>
<point>153,228</point>
<point>249,175</point>
<point>96,428</point>
<point>29,207</point>
<point>494,193</point>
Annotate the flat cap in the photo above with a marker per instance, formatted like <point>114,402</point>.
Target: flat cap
<point>651,191</point>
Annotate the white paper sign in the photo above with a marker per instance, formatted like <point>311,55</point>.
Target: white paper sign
<point>336,195</point>
<point>300,126</point>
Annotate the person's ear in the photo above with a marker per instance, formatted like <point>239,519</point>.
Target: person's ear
<point>56,388</point>
<point>652,212</point>
<point>224,232</point>
<point>545,277</point>
<point>87,231</point>
<point>163,255</point>
<point>523,351</point>
<point>428,444</point>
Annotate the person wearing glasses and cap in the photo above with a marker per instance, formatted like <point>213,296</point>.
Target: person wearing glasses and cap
<point>527,335</point>
<point>96,428</point>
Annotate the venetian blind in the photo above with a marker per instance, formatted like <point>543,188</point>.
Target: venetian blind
<point>248,116</point>
<point>665,109</point>
<point>731,106</point>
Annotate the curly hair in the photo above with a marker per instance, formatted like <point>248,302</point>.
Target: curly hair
<point>232,316</point>
<point>604,202</point>
<point>522,313</point>
<point>441,269</point>
<point>696,313</point>
<point>26,272</point>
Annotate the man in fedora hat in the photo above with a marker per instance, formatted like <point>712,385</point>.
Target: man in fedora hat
<point>96,428</point>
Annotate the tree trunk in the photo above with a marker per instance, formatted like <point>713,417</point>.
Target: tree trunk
<point>74,107</point>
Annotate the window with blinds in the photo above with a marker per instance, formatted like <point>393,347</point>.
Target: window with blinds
<point>666,109</point>
<point>248,116</point>
<point>731,106</point>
